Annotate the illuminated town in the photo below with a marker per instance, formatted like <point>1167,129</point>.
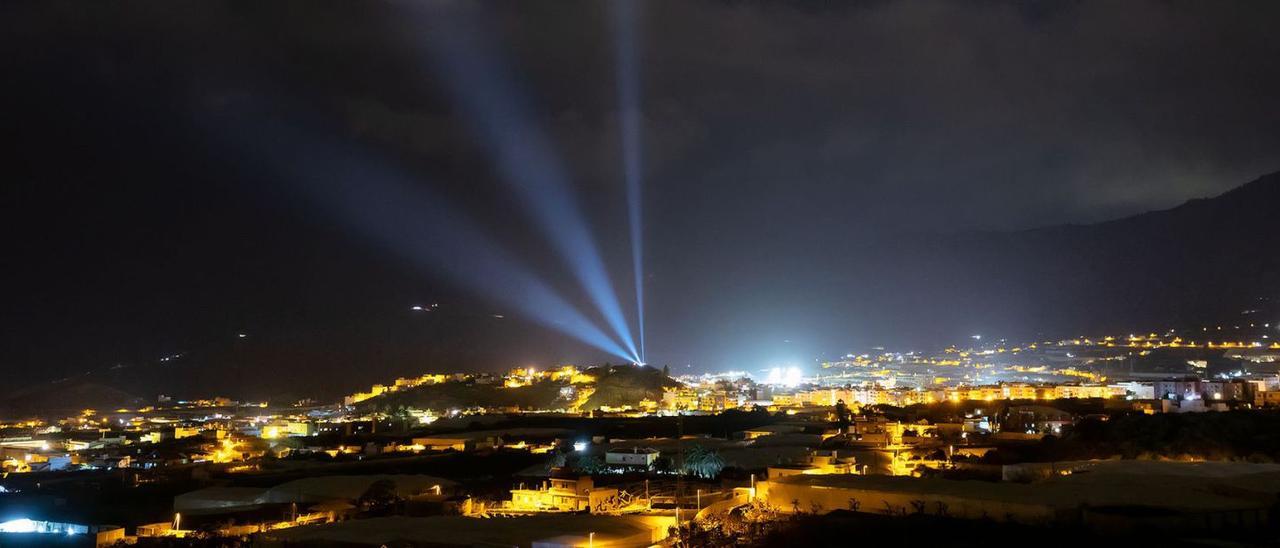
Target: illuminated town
<point>658,455</point>
<point>639,273</point>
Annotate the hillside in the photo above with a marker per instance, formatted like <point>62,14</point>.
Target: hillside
<point>614,386</point>
<point>1207,260</point>
<point>64,398</point>
<point>620,385</point>
<point>460,395</point>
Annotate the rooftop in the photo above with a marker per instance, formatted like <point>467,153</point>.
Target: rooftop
<point>558,530</point>
<point>1174,485</point>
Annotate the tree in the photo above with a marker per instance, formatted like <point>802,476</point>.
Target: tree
<point>585,463</point>
<point>402,415</point>
<point>380,496</point>
<point>663,464</point>
<point>666,370</point>
<point>703,462</point>
<point>842,416</point>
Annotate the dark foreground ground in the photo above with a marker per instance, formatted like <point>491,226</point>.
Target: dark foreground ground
<point>845,528</point>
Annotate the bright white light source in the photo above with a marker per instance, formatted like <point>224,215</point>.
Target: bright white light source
<point>242,335</point>
<point>18,526</point>
<point>579,446</point>
<point>416,307</point>
<point>789,377</point>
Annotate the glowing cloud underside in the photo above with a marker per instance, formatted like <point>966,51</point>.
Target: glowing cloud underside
<point>523,156</point>
<point>400,214</point>
<point>627,67</point>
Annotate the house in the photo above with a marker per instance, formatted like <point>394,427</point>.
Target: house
<point>462,441</point>
<point>816,462</point>
<point>634,457</point>
<point>564,494</point>
<point>771,429</point>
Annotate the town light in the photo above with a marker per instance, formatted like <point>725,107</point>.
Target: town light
<point>789,377</point>
<point>21,525</point>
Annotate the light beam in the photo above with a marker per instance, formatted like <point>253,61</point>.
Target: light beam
<point>628,84</point>
<point>468,65</point>
<point>401,214</point>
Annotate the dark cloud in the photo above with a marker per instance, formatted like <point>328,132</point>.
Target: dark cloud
<point>778,137</point>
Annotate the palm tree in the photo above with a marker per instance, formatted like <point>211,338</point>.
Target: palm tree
<point>401,413</point>
<point>703,462</point>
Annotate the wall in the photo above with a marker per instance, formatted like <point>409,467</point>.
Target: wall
<point>787,497</point>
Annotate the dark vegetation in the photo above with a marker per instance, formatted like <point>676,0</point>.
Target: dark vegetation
<point>93,497</point>
<point>722,425</point>
<point>951,411</point>
<point>764,527</point>
<point>839,527</point>
<point>1236,435</point>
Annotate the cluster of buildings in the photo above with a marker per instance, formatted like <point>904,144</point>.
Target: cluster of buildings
<point>1179,393</point>
<point>172,433</point>
<point>1094,360</point>
<point>401,383</point>
<point>515,378</point>
<point>805,458</point>
<point>222,431</point>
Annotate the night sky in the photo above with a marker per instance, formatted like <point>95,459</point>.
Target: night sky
<point>169,170</point>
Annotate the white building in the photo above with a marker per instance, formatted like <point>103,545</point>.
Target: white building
<point>636,456</point>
